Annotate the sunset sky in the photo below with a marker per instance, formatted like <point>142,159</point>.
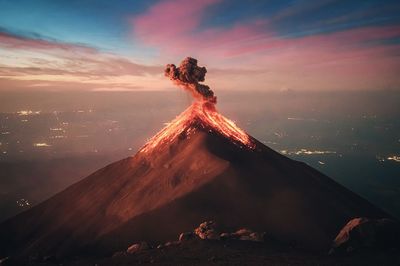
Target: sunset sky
<point>245,45</point>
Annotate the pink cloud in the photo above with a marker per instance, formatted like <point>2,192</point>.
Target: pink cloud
<point>173,27</point>
<point>170,19</point>
<point>351,58</point>
<point>30,63</point>
<point>56,58</point>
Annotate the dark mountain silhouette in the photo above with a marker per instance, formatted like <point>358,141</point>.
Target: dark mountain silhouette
<point>200,167</point>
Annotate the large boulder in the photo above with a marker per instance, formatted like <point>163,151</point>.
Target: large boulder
<point>207,230</point>
<point>361,233</point>
<point>244,234</point>
<point>249,235</point>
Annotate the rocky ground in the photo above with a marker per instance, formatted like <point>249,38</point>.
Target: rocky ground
<point>230,252</point>
<point>206,245</point>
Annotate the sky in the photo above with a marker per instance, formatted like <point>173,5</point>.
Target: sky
<point>262,45</point>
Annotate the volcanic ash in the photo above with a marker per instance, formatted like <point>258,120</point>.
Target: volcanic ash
<point>188,75</point>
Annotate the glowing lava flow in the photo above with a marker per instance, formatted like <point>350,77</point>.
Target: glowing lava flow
<point>206,116</point>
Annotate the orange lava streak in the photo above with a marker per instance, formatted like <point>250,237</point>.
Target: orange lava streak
<point>205,114</point>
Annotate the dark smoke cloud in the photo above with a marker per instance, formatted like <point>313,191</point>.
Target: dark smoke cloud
<point>188,75</point>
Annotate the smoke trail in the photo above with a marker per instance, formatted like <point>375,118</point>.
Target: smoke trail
<point>188,75</point>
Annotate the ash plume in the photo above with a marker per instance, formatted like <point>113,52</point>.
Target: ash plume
<point>188,75</point>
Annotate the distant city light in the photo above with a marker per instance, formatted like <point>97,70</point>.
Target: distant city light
<point>43,144</point>
<point>28,112</point>
<point>394,158</point>
<point>23,203</point>
<point>305,152</point>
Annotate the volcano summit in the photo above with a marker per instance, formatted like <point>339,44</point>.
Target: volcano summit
<point>199,167</point>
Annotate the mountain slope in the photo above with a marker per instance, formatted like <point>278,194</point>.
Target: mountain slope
<point>199,167</point>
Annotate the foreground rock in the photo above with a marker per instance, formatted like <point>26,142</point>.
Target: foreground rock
<point>207,230</point>
<point>246,234</point>
<point>219,253</point>
<point>364,233</point>
<point>137,247</point>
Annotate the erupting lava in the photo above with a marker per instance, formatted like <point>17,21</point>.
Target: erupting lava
<point>202,113</point>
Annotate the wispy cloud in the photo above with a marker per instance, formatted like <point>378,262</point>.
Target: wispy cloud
<point>14,41</point>
<point>51,62</point>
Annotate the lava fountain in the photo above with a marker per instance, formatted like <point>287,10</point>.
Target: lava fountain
<point>201,113</point>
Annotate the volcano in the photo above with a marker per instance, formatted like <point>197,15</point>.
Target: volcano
<point>200,167</point>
